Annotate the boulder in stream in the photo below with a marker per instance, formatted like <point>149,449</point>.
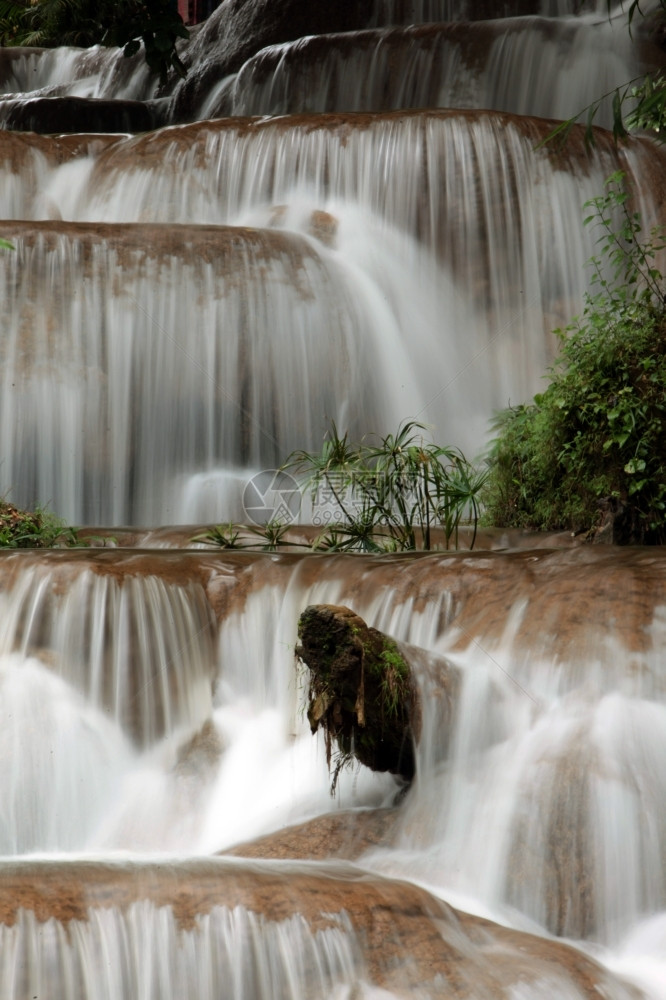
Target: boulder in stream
<point>361,692</point>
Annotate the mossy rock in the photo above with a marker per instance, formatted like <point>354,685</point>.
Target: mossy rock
<point>361,689</point>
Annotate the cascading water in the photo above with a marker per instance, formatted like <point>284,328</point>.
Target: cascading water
<point>94,366</point>
<point>438,66</point>
<point>185,307</point>
<point>542,806</point>
<point>353,291</point>
<point>95,72</point>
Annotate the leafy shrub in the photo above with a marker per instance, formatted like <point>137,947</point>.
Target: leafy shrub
<point>39,529</point>
<point>595,441</point>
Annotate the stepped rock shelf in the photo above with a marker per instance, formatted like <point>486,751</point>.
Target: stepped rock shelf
<point>186,303</point>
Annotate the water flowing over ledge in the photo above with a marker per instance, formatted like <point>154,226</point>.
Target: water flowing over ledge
<point>332,936</point>
<point>181,309</point>
<point>351,290</point>
<point>549,709</point>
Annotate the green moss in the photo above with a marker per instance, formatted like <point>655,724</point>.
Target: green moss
<point>393,660</point>
<point>394,673</point>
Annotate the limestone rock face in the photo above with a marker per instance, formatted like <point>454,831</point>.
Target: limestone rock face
<point>344,834</point>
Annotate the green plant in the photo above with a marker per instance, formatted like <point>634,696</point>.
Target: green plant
<point>224,536</point>
<point>229,536</point>
<point>273,534</point>
<point>21,529</point>
<point>11,14</point>
<point>394,683</point>
<point>594,443</point>
<point>391,495</point>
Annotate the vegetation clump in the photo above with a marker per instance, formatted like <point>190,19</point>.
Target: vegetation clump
<point>389,496</point>
<point>590,451</point>
<point>360,691</point>
<point>39,529</point>
<point>398,494</point>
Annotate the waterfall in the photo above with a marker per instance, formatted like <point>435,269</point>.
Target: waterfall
<point>140,650</point>
<point>107,324</point>
<point>438,66</point>
<point>356,292</point>
<point>95,72</point>
<point>424,11</point>
<point>374,233</point>
<point>556,759</point>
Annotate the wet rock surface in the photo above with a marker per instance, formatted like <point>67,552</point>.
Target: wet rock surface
<point>345,834</point>
<point>48,115</point>
<point>361,691</point>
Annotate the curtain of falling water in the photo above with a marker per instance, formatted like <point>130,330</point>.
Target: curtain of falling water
<point>437,66</point>
<point>125,368</point>
<point>467,229</point>
<point>569,784</point>
<point>421,11</point>
<point>144,954</point>
<point>581,62</point>
<point>94,72</point>
<point>140,649</point>
<point>94,669</point>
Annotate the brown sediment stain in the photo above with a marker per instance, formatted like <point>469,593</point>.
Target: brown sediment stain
<point>525,957</point>
<point>133,243</point>
<point>323,227</point>
<point>562,857</point>
<point>66,890</point>
<point>18,148</point>
<point>201,753</point>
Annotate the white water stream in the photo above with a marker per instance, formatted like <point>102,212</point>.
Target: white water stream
<point>543,806</point>
<point>182,309</point>
<point>346,300</point>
